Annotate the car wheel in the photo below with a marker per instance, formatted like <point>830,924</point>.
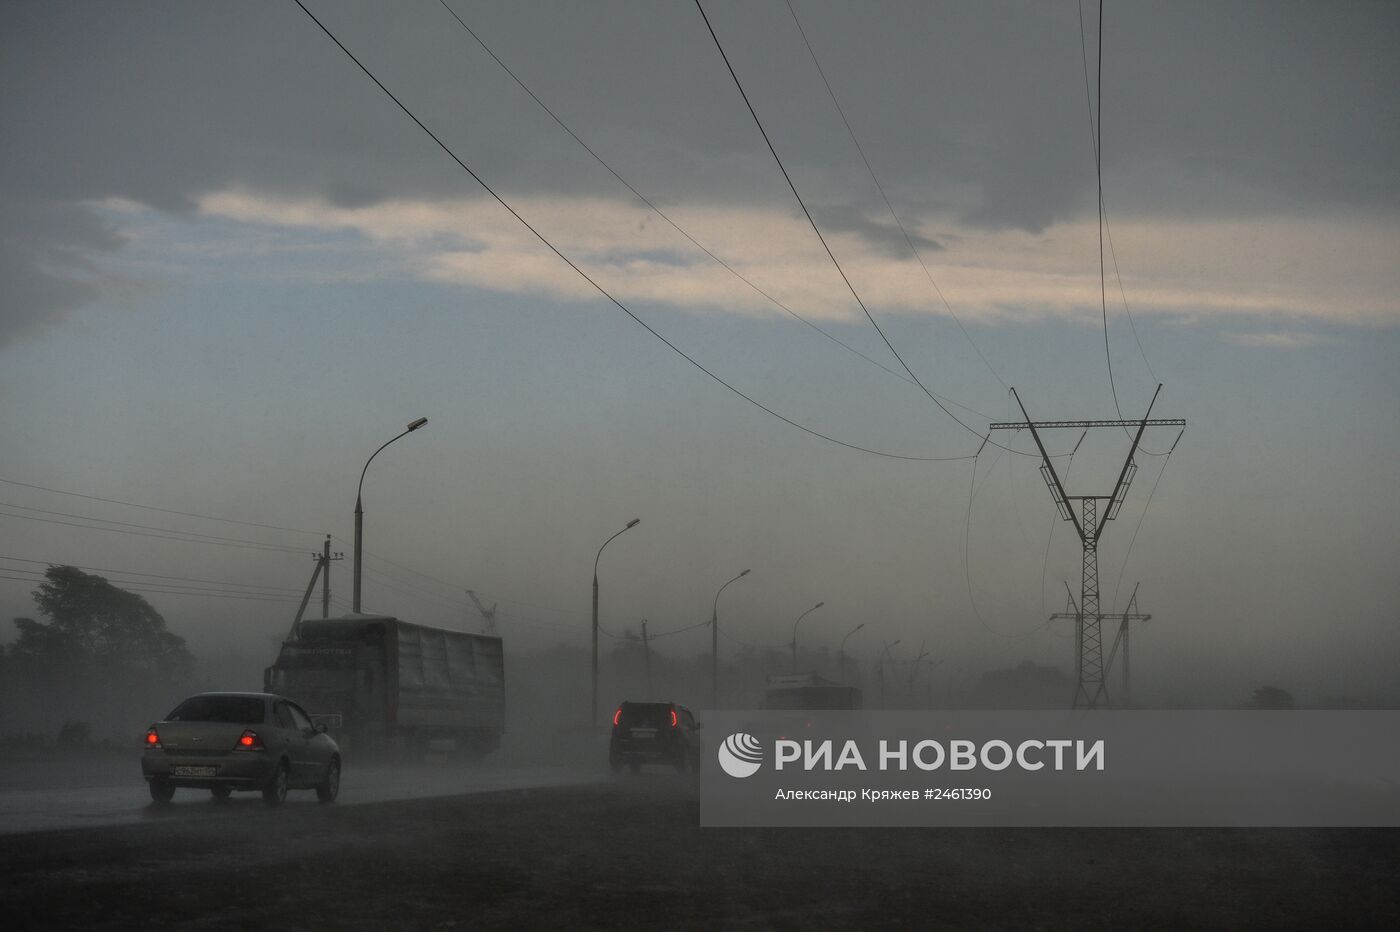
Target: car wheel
<point>328,789</point>
<point>162,791</point>
<point>275,793</point>
<point>221,793</point>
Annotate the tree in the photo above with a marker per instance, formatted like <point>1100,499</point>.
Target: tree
<point>97,630</point>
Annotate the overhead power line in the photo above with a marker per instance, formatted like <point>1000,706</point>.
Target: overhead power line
<point>1098,173</point>
<point>1103,203</point>
<point>586,277</point>
<point>1096,144</point>
<point>155,591</point>
<point>171,511</point>
<point>459,587</point>
<point>188,539</point>
<point>908,240</point>
<point>1146,505</point>
<point>674,225</point>
<point>817,230</point>
<point>101,569</point>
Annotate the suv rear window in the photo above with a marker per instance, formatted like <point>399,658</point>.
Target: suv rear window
<point>238,710</point>
<point>645,715</point>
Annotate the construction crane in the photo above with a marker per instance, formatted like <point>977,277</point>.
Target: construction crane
<point>488,615</point>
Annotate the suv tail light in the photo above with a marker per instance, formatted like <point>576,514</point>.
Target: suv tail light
<point>674,719</point>
<point>152,738</point>
<point>249,741</point>
<point>617,717</point>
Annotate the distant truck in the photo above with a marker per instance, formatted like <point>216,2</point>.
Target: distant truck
<point>382,684</point>
<point>809,691</point>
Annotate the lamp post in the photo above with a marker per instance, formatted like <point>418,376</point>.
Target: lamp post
<point>883,654</point>
<point>794,632</point>
<point>630,524</point>
<point>714,643</point>
<point>360,512</point>
<point>841,652</point>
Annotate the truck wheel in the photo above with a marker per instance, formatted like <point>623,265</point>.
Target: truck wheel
<point>162,791</point>
<point>329,788</point>
<point>275,793</point>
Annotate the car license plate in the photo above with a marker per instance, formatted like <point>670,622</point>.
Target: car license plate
<point>643,732</point>
<point>196,771</point>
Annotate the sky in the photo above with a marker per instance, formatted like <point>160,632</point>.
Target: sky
<point>231,267</point>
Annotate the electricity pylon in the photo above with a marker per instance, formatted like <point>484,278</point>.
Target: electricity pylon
<point>1090,690</point>
<point>1130,614</point>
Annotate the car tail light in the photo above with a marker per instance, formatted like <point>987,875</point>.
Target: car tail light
<point>617,717</point>
<point>152,738</point>
<point>674,719</point>
<point>249,741</point>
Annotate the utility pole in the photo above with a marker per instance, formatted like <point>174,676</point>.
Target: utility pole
<point>326,558</point>
<point>1091,690</point>
<point>646,656</point>
<point>323,565</point>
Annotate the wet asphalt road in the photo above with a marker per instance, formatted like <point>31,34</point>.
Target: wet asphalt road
<point>95,791</point>
<point>629,854</point>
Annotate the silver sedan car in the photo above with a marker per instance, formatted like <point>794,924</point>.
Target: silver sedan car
<point>223,742</point>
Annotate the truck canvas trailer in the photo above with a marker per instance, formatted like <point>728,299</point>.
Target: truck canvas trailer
<point>381,683</point>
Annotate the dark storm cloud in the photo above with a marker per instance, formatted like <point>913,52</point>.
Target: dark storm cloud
<point>47,258</point>
<point>883,235</point>
<point>348,195</point>
<point>978,108</point>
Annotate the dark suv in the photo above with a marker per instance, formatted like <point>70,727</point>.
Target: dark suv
<point>654,733</point>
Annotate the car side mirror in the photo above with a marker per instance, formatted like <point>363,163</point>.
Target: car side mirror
<point>321,728</point>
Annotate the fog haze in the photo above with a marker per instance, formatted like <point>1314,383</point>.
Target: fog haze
<point>230,268</point>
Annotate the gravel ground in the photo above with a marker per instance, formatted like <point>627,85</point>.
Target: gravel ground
<point>630,854</point>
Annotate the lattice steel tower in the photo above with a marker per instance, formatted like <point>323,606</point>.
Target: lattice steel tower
<point>1091,691</point>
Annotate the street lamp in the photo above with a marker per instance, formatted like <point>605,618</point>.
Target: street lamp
<point>794,632</point>
<point>714,643</point>
<point>841,652</point>
<point>630,524</point>
<point>883,654</point>
<point>360,512</point>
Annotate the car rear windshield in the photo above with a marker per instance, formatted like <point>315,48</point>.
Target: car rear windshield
<point>240,710</point>
<point>645,715</point>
